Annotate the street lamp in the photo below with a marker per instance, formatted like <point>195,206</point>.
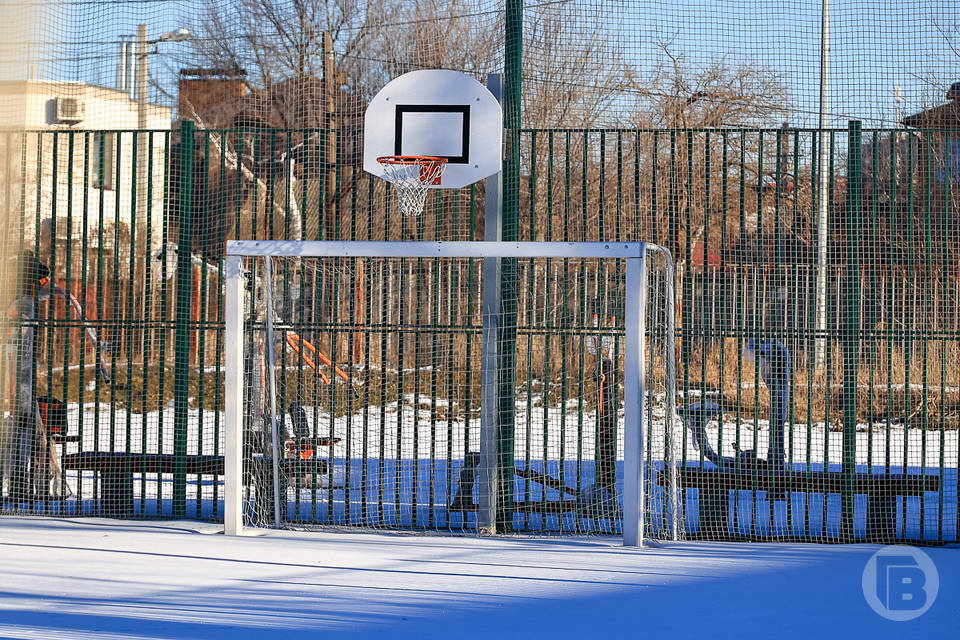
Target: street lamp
<point>177,35</point>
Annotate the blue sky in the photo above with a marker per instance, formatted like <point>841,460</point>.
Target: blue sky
<point>876,45</point>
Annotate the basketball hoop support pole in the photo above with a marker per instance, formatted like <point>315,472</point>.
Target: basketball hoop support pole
<point>489,405</point>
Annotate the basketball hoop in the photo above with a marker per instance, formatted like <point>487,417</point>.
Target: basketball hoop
<point>411,177</point>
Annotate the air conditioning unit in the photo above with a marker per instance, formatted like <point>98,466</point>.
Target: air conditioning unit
<point>70,109</point>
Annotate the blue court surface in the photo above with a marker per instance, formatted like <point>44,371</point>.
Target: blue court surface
<point>402,494</point>
<point>95,578</point>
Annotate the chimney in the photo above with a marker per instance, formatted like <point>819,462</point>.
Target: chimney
<point>121,82</point>
<point>953,93</point>
<point>200,90</point>
<point>131,66</point>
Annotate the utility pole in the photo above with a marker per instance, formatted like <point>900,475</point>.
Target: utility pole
<point>823,226</point>
<point>142,138</point>
<point>329,198</point>
<point>329,126</point>
<point>896,105</point>
<point>331,80</point>
<point>141,76</point>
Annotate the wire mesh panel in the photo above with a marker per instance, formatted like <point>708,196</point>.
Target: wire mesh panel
<point>818,296</point>
<point>365,376</point>
<point>739,208</point>
<point>96,418</point>
<point>814,399</point>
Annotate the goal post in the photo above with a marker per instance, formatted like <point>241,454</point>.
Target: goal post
<point>233,396</point>
<point>289,296</point>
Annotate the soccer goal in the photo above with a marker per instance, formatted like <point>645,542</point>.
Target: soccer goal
<point>494,387</point>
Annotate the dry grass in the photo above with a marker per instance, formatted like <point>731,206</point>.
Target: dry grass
<point>925,393</point>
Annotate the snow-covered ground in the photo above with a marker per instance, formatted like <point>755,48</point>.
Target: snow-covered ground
<point>569,434</point>
<point>375,460</point>
<point>113,580</point>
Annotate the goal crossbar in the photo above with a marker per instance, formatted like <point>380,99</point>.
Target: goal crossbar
<point>366,249</point>
<point>635,301</point>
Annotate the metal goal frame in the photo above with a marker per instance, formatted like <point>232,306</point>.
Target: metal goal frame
<point>635,255</point>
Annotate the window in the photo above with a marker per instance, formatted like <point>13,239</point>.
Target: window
<point>102,151</point>
<point>947,160</point>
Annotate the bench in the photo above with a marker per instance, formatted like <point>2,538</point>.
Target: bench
<point>117,468</point>
<point>881,492</point>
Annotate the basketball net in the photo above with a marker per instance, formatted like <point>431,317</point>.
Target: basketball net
<point>411,176</point>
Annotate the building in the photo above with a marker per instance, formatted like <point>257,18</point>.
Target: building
<point>941,124</point>
<point>70,147</point>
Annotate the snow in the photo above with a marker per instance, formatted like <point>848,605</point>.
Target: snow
<point>409,422</point>
<point>363,429</point>
<point>103,579</point>
<point>828,443</point>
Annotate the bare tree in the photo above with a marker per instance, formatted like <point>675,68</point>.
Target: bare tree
<point>429,34</point>
<point>682,96</point>
<point>690,99</point>
<point>574,69</point>
<point>275,40</point>
<point>575,75</point>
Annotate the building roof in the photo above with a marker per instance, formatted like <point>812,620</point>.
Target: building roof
<point>295,103</point>
<point>945,116</point>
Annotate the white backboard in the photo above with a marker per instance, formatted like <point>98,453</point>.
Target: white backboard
<point>436,113</point>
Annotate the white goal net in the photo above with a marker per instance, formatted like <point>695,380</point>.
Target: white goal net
<point>493,387</point>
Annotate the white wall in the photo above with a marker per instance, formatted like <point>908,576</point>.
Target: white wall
<point>63,184</point>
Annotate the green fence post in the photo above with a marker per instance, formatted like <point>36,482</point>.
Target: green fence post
<point>851,327</point>
<point>181,384</point>
<point>508,272</point>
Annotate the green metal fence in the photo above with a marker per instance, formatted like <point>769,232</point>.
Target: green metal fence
<point>133,224</point>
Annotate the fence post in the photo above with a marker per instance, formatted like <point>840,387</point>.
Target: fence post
<point>181,384</point>
<point>508,273</point>
<point>851,327</point>
<point>487,479</point>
